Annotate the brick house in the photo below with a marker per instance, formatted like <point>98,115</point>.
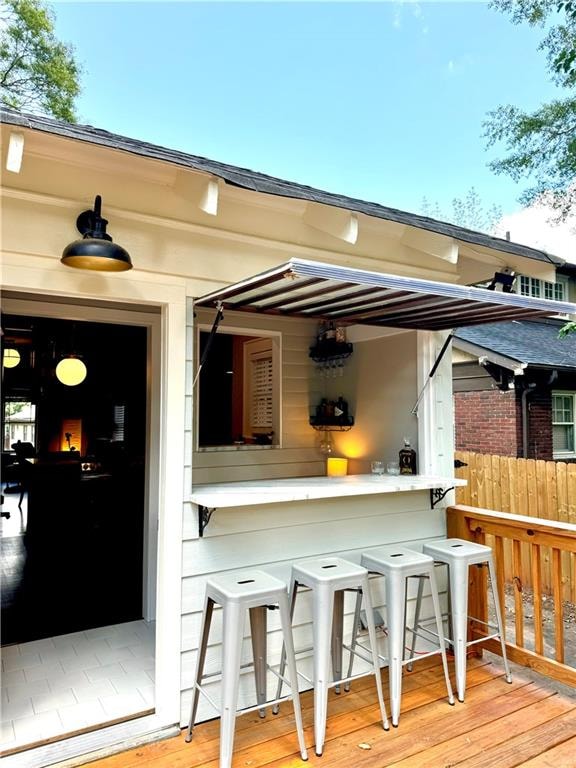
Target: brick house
<point>515,390</point>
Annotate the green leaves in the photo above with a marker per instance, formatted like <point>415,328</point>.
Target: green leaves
<point>37,72</point>
<point>541,145</point>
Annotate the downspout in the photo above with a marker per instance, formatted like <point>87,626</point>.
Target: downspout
<point>525,392</point>
<point>530,388</point>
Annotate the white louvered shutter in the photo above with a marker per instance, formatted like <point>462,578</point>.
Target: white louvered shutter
<point>262,392</point>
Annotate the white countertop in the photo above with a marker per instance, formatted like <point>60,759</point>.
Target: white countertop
<point>248,492</point>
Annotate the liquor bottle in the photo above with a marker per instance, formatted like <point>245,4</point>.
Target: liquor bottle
<point>407,459</point>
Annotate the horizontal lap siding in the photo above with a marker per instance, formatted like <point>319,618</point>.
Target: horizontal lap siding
<point>272,537</point>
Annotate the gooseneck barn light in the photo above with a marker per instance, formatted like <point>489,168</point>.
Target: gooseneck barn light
<point>95,250</point>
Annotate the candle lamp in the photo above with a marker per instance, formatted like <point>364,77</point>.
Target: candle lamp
<point>336,467</point>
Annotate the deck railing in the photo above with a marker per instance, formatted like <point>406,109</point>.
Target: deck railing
<point>538,629</point>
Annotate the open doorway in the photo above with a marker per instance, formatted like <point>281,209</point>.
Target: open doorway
<point>77,613</point>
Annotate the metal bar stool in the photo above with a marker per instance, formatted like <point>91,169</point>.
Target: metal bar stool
<point>255,591</point>
<point>459,555</point>
<point>398,564</point>
<point>327,578</point>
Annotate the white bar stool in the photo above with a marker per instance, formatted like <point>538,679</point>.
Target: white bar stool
<point>459,555</point>
<point>327,578</point>
<point>397,564</point>
<point>255,591</point>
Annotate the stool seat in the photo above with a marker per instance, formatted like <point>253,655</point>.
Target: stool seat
<point>256,591</point>
<point>333,571</point>
<point>250,586</point>
<point>459,555</point>
<point>398,563</point>
<point>458,549</point>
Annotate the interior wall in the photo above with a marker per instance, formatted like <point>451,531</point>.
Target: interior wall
<point>380,385</point>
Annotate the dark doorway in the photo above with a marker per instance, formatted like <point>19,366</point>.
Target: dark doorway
<point>77,563</point>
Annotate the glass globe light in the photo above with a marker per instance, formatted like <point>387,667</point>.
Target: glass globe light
<point>71,371</point>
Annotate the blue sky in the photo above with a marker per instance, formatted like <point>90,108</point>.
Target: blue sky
<point>378,100</point>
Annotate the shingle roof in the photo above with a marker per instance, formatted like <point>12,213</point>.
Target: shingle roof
<point>534,342</point>
<point>259,182</point>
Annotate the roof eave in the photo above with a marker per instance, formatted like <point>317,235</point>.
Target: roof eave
<point>258,182</point>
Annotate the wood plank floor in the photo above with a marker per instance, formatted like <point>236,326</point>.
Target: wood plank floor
<point>527,723</point>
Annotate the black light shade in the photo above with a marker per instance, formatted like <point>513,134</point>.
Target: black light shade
<point>96,250</point>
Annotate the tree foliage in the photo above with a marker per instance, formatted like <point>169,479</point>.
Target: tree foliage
<point>541,145</point>
<point>38,73</point>
<point>468,211</point>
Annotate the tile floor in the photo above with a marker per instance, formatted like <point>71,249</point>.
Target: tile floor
<point>61,684</point>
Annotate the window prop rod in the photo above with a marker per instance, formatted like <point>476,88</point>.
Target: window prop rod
<point>432,372</point>
<point>214,329</point>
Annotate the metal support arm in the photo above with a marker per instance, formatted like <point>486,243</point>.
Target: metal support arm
<point>204,515</point>
<point>437,494</point>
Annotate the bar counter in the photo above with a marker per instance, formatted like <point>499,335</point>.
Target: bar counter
<point>248,492</point>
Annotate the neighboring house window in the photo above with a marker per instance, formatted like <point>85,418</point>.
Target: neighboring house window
<point>542,289</point>
<point>563,425</point>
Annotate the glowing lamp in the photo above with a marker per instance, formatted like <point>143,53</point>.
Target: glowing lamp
<point>11,357</point>
<point>71,371</point>
<point>336,467</point>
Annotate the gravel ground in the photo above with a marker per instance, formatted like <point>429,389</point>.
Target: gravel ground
<point>548,632</point>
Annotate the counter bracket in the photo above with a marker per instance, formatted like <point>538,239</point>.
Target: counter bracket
<point>204,515</point>
<point>437,494</point>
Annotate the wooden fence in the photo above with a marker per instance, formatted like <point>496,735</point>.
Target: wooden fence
<point>544,489</point>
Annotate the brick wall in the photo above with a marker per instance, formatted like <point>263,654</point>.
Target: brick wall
<point>487,422</point>
<point>491,422</point>
<point>540,425</point>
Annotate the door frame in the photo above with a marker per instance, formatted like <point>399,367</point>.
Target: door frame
<point>89,296</point>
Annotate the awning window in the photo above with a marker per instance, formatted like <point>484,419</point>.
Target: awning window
<point>311,289</point>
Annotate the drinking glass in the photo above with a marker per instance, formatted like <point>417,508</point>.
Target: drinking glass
<point>377,467</point>
<point>393,468</point>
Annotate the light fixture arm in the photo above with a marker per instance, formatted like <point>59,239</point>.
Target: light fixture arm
<point>91,224</point>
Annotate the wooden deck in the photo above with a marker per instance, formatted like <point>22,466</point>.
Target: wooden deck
<point>527,723</point>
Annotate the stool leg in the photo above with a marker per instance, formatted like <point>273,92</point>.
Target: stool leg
<point>259,653</point>
<point>357,610</point>
<point>204,632</point>
<point>286,623</point>
<point>231,655</point>
<point>323,610</point>
<point>416,623</point>
<point>493,583</point>
<point>458,577</point>
<point>337,632</point>
<point>282,669</point>
<point>395,602</point>
<point>374,649</point>
<point>440,632</point>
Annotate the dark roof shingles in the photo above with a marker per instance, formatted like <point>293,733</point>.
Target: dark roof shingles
<point>528,341</point>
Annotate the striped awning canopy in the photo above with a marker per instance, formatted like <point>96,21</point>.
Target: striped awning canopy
<point>310,289</point>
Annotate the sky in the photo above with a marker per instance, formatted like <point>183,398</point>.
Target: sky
<point>383,101</point>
